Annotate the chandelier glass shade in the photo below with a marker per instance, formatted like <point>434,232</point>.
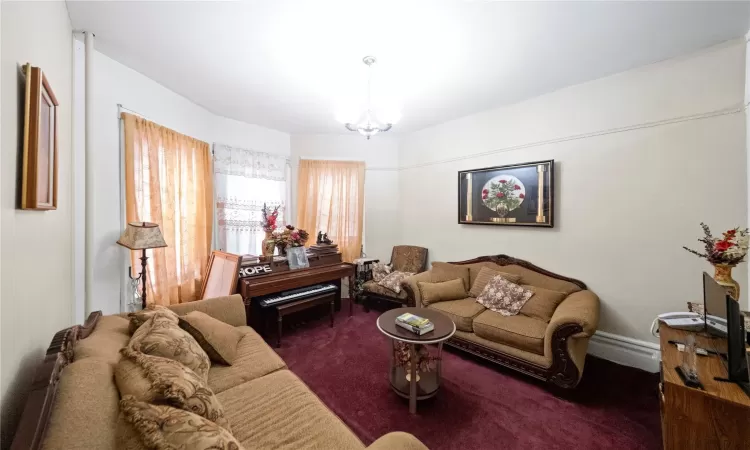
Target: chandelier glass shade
<point>368,124</point>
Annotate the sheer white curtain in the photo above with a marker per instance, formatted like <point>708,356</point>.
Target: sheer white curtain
<point>243,181</point>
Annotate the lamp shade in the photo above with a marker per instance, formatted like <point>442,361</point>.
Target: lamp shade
<point>142,235</point>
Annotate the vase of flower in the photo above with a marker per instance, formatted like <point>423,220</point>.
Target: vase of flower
<point>724,254</point>
<point>268,246</point>
<point>723,276</point>
<point>270,216</point>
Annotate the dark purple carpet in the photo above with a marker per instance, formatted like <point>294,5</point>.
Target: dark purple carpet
<point>480,405</point>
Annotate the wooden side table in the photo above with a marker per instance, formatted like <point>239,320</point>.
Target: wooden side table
<point>403,383</point>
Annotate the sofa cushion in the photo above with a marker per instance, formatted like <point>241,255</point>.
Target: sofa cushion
<point>442,271</point>
<point>525,333</point>
<point>254,359</point>
<point>138,318</point>
<point>86,408</point>
<point>543,303</point>
<point>215,337</point>
<point>280,411</point>
<point>461,312</point>
<point>229,309</point>
<point>159,336</point>
<point>165,427</point>
<point>439,292</point>
<point>537,279</point>
<point>109,335</point>
<point>375,288</point>
<point>153,379</point>
<point>485,275</point>
<point>475,268</point>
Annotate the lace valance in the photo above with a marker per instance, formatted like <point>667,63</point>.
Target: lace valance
<point>249,163</point>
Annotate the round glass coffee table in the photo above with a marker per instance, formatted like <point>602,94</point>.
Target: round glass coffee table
<point>409,354</point>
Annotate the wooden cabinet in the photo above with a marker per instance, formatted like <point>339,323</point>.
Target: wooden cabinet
<point>717,418</point>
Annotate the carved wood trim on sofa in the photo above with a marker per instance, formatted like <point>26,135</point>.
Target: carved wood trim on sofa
<point>505,260</point>
<point>36,414</point>
<point>562,372</point>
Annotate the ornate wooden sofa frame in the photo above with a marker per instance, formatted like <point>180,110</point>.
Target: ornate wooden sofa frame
<point>36,413</point>
<point>563,372</point>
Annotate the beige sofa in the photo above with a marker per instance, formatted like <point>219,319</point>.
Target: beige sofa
<point>268,407</point>
<point>547,340</point>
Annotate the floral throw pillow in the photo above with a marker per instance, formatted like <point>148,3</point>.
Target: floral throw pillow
<point>379,271</point>
<point>158,380</point>
<point>163,427</point>
<point>393,280</point>
<point>160,336</point>
<point>503,296</point>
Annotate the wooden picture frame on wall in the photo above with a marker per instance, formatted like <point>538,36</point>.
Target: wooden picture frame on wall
<point>222,274</point>
<point>512,195</point>
<point>39,169</point>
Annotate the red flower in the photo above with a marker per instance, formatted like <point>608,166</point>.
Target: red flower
<point>521,196</point>
<point>516,188</point>
<point>485,191</point>
<point>499,195</point>
<point>503,181</point>
<point>722,246</point>
<point>484,196</point>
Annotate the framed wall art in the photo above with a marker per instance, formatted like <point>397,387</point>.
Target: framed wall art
<point>39,165</point>
<point>515,195</point>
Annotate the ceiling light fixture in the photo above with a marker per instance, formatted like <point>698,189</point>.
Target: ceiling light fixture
<point>368,125</point>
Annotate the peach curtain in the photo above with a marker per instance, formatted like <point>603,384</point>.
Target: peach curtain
<point>168,180</point>
<point>330,197</point>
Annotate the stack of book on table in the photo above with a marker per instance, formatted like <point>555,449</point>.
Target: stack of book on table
<point>323,249</point>
<point>414,323</point>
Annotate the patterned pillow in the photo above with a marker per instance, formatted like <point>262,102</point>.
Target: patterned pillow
<point>379,271</point>
<point>393,280</point>
<point>153,379</point>
<point>163,427</point>
<point>138,318</point>
<point>160,336</point>
<point>504,297</point>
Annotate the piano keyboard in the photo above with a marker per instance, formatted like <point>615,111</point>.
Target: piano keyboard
<point>295,294</point>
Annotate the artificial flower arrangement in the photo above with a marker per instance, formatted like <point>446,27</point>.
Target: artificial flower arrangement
<point>731,249</point>
<point>402,357</point>
<point>289,237</point>
<point>269,218</point>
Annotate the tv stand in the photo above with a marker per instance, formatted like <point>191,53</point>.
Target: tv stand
<point>713,418</point>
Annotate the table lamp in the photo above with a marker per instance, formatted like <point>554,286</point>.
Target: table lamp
<point>142,236</point>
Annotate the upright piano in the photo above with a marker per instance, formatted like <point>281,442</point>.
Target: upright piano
<point>271,283</point>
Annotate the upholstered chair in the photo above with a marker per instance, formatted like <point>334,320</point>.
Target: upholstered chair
<point>404,258</point>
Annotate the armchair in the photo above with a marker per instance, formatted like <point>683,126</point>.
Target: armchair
<point>404,258</point>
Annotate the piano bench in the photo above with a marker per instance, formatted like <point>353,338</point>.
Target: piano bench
<point>300,305</point>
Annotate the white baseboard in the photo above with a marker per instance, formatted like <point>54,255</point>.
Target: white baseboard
<point>626,351</point>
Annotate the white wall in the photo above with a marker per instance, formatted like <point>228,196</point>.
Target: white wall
<point>36,246</point>
<point>380,154</point>
<point>642,157</point>
<point>115,83</point>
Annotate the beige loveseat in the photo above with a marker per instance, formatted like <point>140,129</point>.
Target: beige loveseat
<point>267,406</point>
<point>547,340</point>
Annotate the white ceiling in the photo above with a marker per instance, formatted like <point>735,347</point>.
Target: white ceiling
<point>292,64</point>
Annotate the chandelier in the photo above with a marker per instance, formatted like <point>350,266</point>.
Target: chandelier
<point>368,125</point>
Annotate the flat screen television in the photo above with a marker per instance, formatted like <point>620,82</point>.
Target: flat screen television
<point>724,321</point>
